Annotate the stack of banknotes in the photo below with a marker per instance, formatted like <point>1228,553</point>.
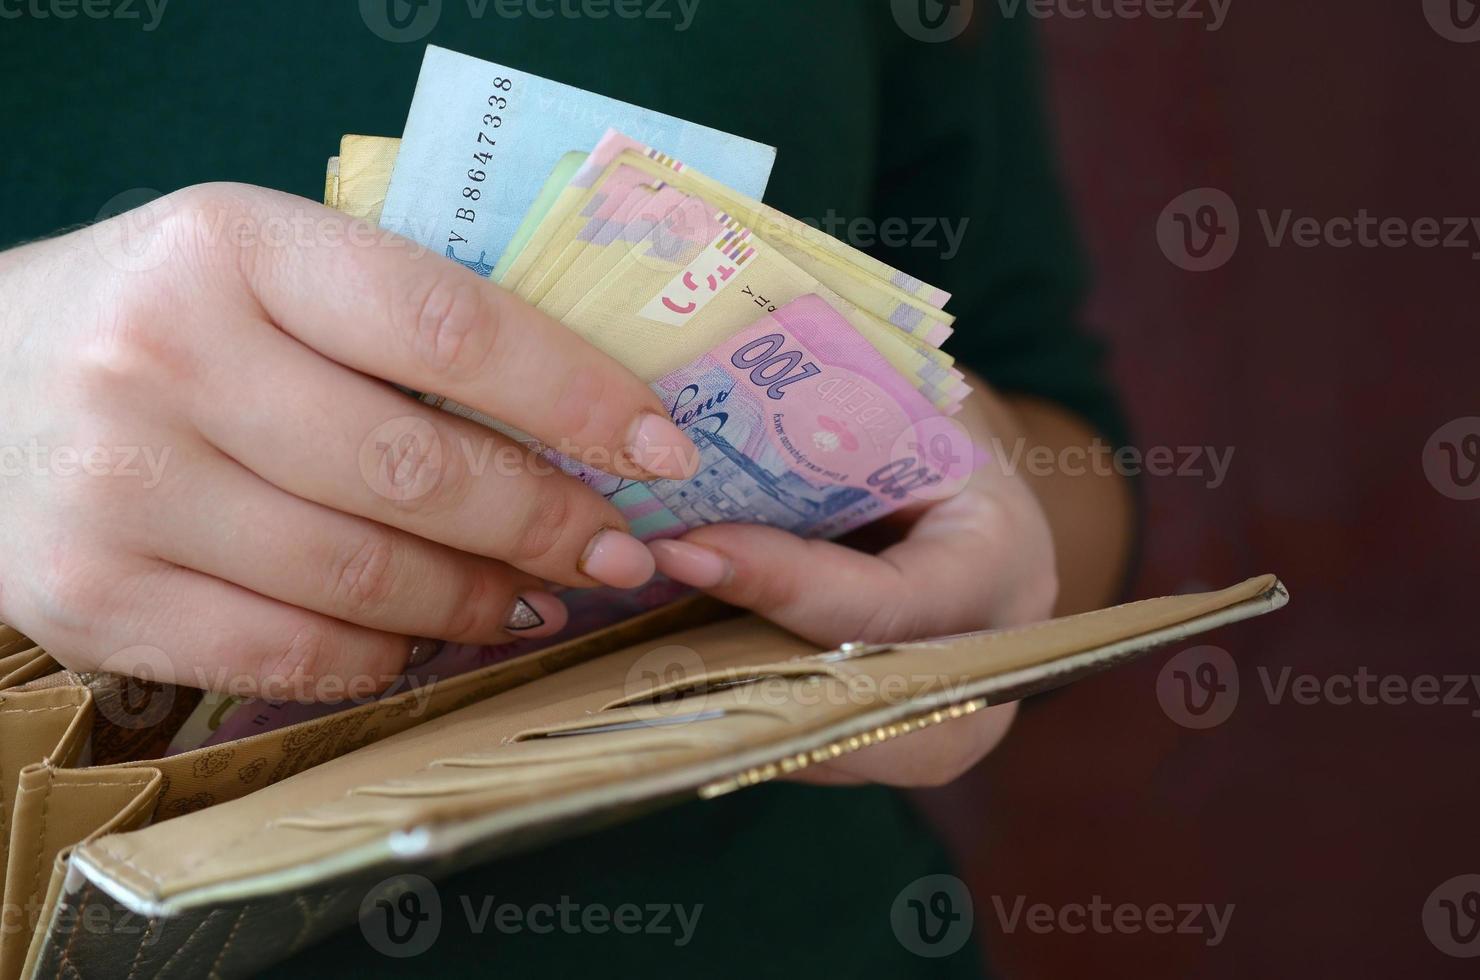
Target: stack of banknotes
<point>808,374</point>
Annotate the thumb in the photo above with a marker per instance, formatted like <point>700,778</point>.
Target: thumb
<point>821,591</point>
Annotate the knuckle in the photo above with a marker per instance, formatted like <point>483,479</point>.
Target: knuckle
<point>580,406</point>
<point>130,347</point>
<point>425,476</point>
<point>298,659</point>
<point>207,224</point>
<point>365,573</point>
<point>480,604</point>
<point>545,525</point>
<point>72,593</point>
<point>892,621</point>
<point>453,328</point>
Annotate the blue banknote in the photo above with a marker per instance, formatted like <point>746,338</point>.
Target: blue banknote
<point>482,138</point>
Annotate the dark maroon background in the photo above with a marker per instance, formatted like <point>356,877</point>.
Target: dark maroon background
<point>1327,370</point>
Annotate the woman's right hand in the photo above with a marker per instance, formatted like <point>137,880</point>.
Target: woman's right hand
<point>201,478</point>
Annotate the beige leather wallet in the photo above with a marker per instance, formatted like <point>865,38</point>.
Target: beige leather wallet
<point>223,860</point>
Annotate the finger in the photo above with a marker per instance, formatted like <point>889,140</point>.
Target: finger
<point>817,589</point>
<point>423,321</point>
<point>228,523</point>
<point>833,595</point>
<point>182,627</point>
<point>353,444</point>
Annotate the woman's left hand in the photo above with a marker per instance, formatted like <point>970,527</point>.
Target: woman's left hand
<point>982,559</point>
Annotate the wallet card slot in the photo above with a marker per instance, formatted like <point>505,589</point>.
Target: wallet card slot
<point>546,751</point>
<point>455,782</point>
<point>670,718</point>
<point>716,681</point>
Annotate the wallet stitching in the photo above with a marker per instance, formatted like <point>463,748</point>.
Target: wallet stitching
<point>143,945</point>
<point>165,967</point>
<point>32,711</point>
<point>82,900</point>
<point>41,834</point>
<point>241,916</point>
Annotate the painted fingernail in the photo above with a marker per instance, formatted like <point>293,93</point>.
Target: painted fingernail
<point>618,559</point>
<point>691,564</point>
<point>422,650</point>
<point>536,614</point>
<point>662,449</point>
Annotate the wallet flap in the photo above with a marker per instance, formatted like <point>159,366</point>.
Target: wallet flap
<point>55,808</point>
<point>396,801</point>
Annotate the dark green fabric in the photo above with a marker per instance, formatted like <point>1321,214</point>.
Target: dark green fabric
<point>794,882</point>
<point>869,123</point>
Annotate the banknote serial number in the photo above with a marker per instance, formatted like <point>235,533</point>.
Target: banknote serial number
<point>484,142</point>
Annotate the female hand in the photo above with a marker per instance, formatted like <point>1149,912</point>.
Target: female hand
<point>201,479</point>
<point>983,559</point>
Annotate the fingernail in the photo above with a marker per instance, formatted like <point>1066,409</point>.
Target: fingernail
<point>618,559</point>
<point>422,650</point>
<point>662,449</point>
<point>691,564</point>
<point>535,615</point>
